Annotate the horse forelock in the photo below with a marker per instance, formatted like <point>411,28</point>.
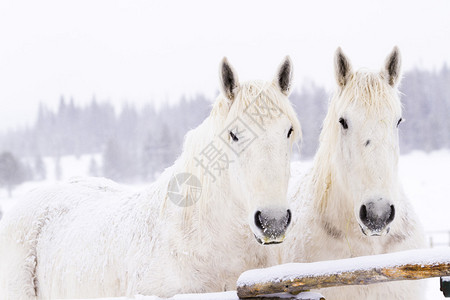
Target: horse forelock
<point>370,89</point>
<point>267,98</point>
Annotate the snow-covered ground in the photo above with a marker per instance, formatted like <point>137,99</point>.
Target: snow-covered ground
<point>425,177</point>
<point>426,180</point>
<point>70,166</point>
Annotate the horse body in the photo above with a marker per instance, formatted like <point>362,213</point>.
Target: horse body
<point>74,257</point>
<point>350,203</point>
<point>94,238</point>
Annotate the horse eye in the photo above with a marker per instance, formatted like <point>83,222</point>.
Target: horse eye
<point>343,123</point>
<point>234,137</point>
<point>399,121</point>
<point>290,132</point>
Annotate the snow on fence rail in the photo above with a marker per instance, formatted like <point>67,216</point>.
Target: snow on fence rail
<point>297,277</point>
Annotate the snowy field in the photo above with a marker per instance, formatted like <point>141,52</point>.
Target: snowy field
<point>425,177</point>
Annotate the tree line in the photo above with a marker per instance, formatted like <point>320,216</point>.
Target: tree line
<point>138,143</point>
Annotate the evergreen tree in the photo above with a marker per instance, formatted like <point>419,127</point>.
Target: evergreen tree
<point>40,172</point>
<point>117,162</point>
<point>58,169</point>
<point>93,168</point>
<point>11,172</point>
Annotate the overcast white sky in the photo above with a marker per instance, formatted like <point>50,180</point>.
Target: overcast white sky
<point>147,51</point>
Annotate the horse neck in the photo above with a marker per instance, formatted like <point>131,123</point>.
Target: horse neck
<point>331,201</point>
<point>217,204</point>
<point>211,221</point>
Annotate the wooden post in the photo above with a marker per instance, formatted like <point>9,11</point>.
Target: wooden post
<point>445,286</point>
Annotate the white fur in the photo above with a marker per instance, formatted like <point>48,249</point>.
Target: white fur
<point>93,238</point>
<point>344,175</point>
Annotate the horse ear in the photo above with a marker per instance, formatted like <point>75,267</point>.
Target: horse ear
<point>283,78</point>
<point>342,68</point>
<point>228,79</point>
<point>392,67</point>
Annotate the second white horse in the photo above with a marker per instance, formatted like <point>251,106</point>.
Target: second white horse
<point>351,202</point>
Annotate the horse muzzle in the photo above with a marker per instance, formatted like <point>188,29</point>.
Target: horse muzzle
<point>271,226</point>
<point>375,217</point>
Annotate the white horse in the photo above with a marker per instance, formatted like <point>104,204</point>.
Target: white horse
<point>351,202</point>
<point>92,238</point>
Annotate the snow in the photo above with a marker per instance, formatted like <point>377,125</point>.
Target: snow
<point>71,166</point>
<point>297,270</point>
<point>231,295</point>
<point>216,296</point>
<point>425,178</point>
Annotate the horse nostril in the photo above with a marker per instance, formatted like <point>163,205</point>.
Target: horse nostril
<point>363,213</point>
<point>289,217</point>
<point>392,215</point>
<point>258,222</point>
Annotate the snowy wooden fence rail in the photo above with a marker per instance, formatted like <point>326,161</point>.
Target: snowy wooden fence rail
<point>298,277</point>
